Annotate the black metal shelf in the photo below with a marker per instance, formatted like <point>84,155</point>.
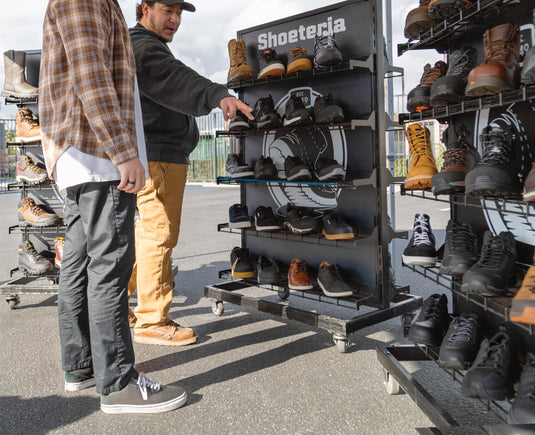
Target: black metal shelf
<point>10,99</point>
<point>30,144</point>
<point>27,229</point>
<point>48,184</point>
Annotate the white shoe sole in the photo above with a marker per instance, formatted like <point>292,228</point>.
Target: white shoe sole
<point>170,405</point>
<point>77,386</point>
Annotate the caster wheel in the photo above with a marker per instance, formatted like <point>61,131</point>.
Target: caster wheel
<point>217,307</point>
<point>391,385</point>
<point>341,342</point>
<point>283,293</point>
<point>13,301</point>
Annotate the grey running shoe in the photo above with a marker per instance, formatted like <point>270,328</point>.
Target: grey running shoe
<point>236,168</point>
<point>265,115</point>
<point>326,112</point>
<point>267,271</point>
<point>331,282</point>
<point>326,52</point>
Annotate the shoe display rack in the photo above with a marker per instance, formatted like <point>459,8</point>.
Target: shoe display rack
<point>357,143</point>
<point>512,107</point>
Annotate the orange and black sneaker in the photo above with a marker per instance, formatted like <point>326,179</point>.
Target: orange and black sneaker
<point>523,307</point>
<point>269,64</point>
<point>422,164</point>
<point>419,98</point>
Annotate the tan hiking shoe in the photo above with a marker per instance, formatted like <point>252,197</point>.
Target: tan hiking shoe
<point>28,172</point>
<point>27,126</point>
<point>422,166</point>
<point>132,319</point>
<point>298,60</point>
<point>523,307</point>
<point>35,215</point>
<point>239,70</point>
<point>171,334</point>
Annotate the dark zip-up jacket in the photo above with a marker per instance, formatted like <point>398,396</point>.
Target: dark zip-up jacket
<point>172,94</point>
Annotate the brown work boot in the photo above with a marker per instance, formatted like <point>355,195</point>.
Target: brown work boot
<point>422,166</point>
<point>27,126</point>
<point>35,215</point>
<point>418,99</point>
<point>298,60</point>
<point>132,319</point>
<point>523,307</point>
<point>59,243</point>
<point>239,70</point>
<point>27,171</point>
<point>418,20</point>
<point>170,334</point>
<point>500,70</point>
<point>440,9</point>
<point>297,276</point>
<point>15,84</point>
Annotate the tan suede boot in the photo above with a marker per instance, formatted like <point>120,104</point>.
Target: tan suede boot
<point>239,70</point>
<point>15,84</point>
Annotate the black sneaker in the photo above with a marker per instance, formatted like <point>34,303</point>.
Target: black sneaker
<point>329,170</point>
<point>326,112</point>
<point>296,113</point>
<point>460,249</point>
<point>495,173</point>
<point>238,216</point>
<point>490,376</point>
<point>79,379</point>
<point>240,263</point>
<point>421,248</point>
<point>523,409</point>
<point>143,395</point>
<point>265,115</point>
<point>326,52</point>
<point>495,269</point>
<point>269,64</point>
<point>236,168</point>
<point>450,88</point>
<point>334,228</point>
<point>265,219</point>
<point>267,271</point>
<point>527,75</point>
<point>300,221</point>
<point>331,283</point>
<point>265,169</point>
<point>240,122</point>
<point>32,261</point>
<point>295,169</point>
<point>461,343</point>
<point>432,322</point>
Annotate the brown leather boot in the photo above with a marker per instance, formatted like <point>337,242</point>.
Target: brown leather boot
<point>418,20</point>
<point>500,70</point>
<point>35,215</point>
<point>28,128</point>
<point>239,70</point>
<point>419,98</point>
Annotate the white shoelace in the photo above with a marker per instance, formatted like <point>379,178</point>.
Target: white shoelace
<point>145,383</point>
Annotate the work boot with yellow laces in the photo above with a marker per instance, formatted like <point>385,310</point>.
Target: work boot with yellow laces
<point>422,165</point>
<point>523,307</point>
<point>418,20</point>
<point>239,70</point>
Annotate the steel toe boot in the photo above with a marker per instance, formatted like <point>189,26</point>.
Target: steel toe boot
<point>239,70</point>
<point>265,115</point>
<point>460,249</point>
<point>418,20</point>
<point>432,322</point>
<point>31,261</point>
<point>59,243</point>
<point>28,129</point>
<point>527,76</point>
<point>523,307</point>
<point>298,60</point>
<point>450,88</point>
<point>28,172</point>
<point>15,84</point>
<point>500,70</point>
<point>269,64</point>
<point>440,9</point>
<point>422,166</point>
<point>418,98</point>
<point>35,215</point>
<point>326,112</point>
<point>459,158</point>
<point>523,409</point>
<point>494,174</point>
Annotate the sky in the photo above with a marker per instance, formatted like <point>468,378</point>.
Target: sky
<point>201,41</point>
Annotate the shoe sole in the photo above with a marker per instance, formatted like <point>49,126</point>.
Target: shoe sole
<point>440,9</point>
<point>299,65</point>
<point>456,270</point>
<point>482,86</point>
<point>419,261</point>
<point>242,274</point>
<point>297,230</point>
<point>454,364</point>
<point>275,69</point>
<point>485,185</point>
<point>27,139</point>
<point>478,390</point>
<point>523,311</point>
<point>418,182</point>
<point>23,179</point>
<point>417,24</point>
<point>334,295</point>
<point>238,126</point>
<point>77,386</point>
<point>440,186</point>
<point>299,287</point>
<point>14,94</point>
<point>266,227</point>
<point>55,223</point>
<point>163,342</point>
<point>240,174</point>
<point>482,288</point>
<point>145,409</point>
<point>335,174</point>
<point>302,174</point>
<point>342,236</point>
<point>529,196</point>
<point>244,224</point>
<point>240,76</point>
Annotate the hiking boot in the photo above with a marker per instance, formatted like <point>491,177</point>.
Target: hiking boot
<point>238,216</point>
<point>265,219</point>
<point>170,334</point>
<point>334,228</point>
<point>298,220</point>
<point>418,20</point>
<point>494,174</point>
<point>329,170</point>
<point>495,269</point>
<point>421,249</point>
<point>28,129</point>
<point>15,84</point>
<point>326,52</point>
<point>295,169</point>
<point>461,343</point>
<point>132,319</point>
<point>296,113</point>
<point>523,306</point>
<point>450,88</point>
<point>422,165</point>
<point>331,282</point>
<point>267,271</point>
<point>143,395</point>
<point>490,376</point>
<point>419,98</point>
<point>35,215</point>
<point>59,243</point>
<point>239,70</point>
<point>28,172</point>
<point>265,169</point>
<point>440,9</point>
<point>432,322</point>
<point>459,158</point>
<point>31,261</point>
<point>527,76</point>
<point>269,64</point>
<point>240,263</point>
<point>326,112</point>
<point>265,115</point>
<point>79,379</point>
<point>460,249</point>
<point>298,60</point>
<point>500,70</point>
<point>240,122</point>
<point>297,276</point>
<point>523,409</point>
<point>235,167</point>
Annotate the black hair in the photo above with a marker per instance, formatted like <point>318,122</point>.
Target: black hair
<point>139,10</point>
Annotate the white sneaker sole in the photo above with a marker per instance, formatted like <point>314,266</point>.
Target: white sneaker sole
<point>170,405</point>
<point>77,386</point>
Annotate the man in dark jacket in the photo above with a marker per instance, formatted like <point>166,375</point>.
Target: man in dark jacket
<point>172,94</point>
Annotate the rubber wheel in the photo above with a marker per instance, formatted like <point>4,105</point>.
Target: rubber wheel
<point>217,307</point>
<point>283,293</point>
<point>391,385</point>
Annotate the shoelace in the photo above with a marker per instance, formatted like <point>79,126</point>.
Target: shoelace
<point>493,253</point>
<point>300,267</point>
<point>238,56</point>
<point>494,357</point>
<point>430,75</point>
<point>28,119</point>
<point>498,50</point>
<point>432,311</point>
<point>298,51</point>
<point>419,142</point>
<point>334,274</point>
<point>30,165</point>
<point>266,104</point>
<point>455,156</point>
<point>146,384</point>
<point>268,55</point>
<point>462,65</point>
<point>326,41</point>
<point>462,238</point>
<point>421,234</point>
<point>35,209</point>
<point>498,152</point>
<point>30,250</point>
<point>464,329</point>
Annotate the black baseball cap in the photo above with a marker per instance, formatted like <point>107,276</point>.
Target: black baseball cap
<point>185,5</point>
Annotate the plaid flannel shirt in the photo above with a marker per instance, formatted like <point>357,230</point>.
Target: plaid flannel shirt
<point>86,82</point>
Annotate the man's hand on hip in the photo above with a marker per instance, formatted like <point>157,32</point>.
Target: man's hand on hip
<point>132,176</point>
<point>229,105</point>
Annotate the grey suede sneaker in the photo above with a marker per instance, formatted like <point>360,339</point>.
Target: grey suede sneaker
<point>79,379</point>
<point>143,396</point>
